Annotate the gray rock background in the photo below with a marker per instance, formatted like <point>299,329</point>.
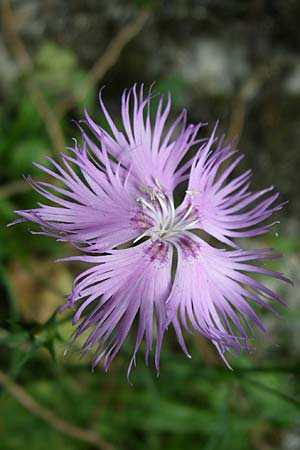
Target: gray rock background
<point>211,56</point>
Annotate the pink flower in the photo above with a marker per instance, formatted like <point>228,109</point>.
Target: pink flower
<point>118,188</point>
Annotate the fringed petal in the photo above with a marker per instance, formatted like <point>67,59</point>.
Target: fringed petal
<point>123,286</point>
<point>92,205</point>
<point>148,145</point>
<point>225,207</point>
<point>212,292</point>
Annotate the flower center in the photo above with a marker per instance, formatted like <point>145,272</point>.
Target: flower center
<point>157,216</point>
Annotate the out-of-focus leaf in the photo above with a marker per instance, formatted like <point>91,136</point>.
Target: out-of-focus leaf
<point>178,418</point>
<point>175,85</point>
<point>21,357</point>
<point>25,153</point>
<point>59,73</point>
<point>15,338</point>
<point>6,207</point>
<point>54,65</point>
<point>267,390</point>
<point>27,121</point>
<point>83,94</point>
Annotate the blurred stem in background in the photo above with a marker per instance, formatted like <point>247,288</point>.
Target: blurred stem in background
<point>52,116</point>
<point>51,419</point>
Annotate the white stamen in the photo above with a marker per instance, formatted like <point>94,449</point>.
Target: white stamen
<point>159,207</point>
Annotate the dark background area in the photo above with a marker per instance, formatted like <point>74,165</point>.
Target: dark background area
<point>237,62</point>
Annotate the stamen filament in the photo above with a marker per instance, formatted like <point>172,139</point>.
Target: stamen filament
<point>160,209</point>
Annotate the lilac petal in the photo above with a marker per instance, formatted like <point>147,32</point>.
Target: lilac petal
<point>226,209</point>
<point>151,149</point>
<point>97,210</point>
<point>123,285</point>
<point>212,292</point>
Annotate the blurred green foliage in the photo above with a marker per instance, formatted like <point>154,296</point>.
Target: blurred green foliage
<point>194,404</point>
<point>190,405</point>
